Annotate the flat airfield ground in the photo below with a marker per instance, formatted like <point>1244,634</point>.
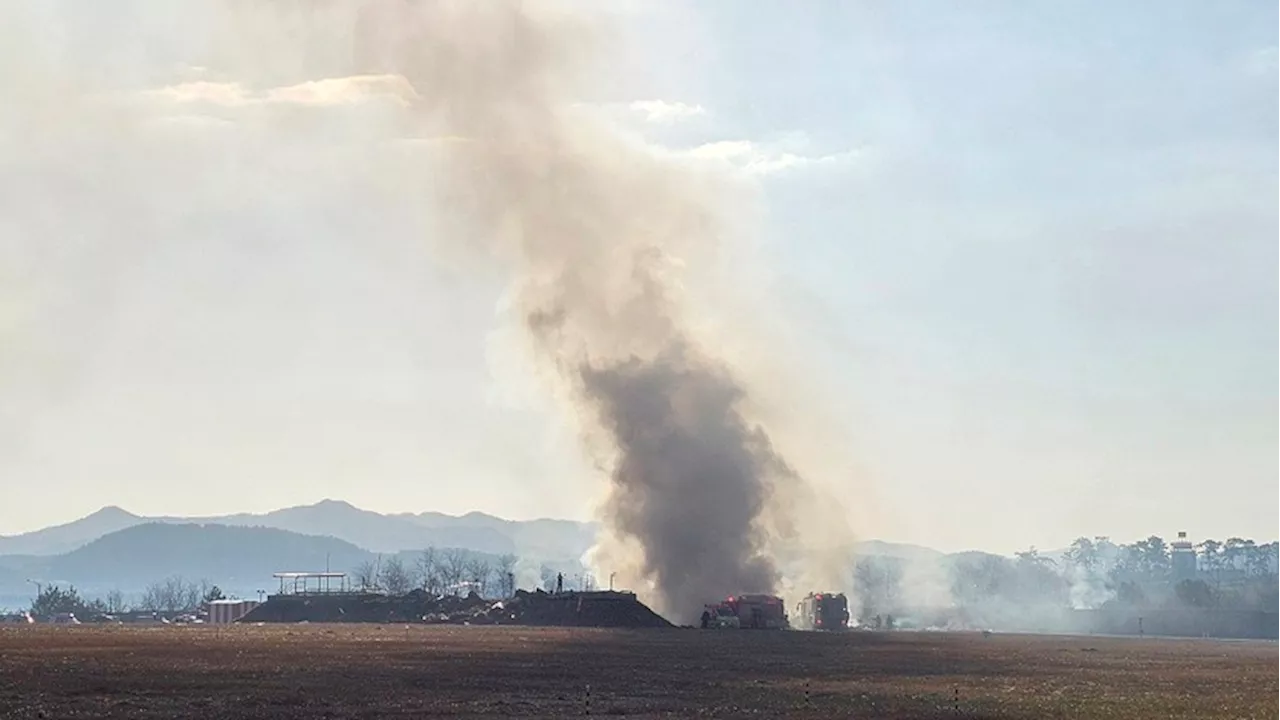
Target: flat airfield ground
<point>396,671</point>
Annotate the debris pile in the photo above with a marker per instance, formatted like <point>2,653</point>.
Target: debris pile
<point>578,609</point>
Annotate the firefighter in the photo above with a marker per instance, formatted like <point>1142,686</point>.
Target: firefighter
<point>706,618</point>
<point>559,583</point>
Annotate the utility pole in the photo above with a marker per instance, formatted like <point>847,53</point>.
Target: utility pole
<point>611,581</point>
<point>39,586</point>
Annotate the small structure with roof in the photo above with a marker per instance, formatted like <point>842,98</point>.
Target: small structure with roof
<point>312,583</point>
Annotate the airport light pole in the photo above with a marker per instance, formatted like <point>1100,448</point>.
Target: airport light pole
<point>39,587</point>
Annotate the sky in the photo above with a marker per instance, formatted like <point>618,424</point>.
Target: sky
<point>1025,252</point>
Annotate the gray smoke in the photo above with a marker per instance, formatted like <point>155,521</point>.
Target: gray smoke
<point>692,477</point>
<point>594,232</point>
<point>601,241</point>
<point>589,226</point>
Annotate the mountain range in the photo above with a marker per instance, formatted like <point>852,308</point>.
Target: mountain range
<point>376,532</point>
<point>145,553</point>
<point>115,549</point>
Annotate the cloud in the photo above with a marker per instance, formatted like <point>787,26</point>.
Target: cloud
<point>326,92</point>
<point>1262,61</point>
<point>661,112</point>
<point>760,159</point>
<point>345,91</point>
<point>226,94</point>
<point>782,152</point>
<point>785,152</point>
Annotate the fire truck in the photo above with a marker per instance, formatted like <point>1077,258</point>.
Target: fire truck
<point>755,612</point>
<point>718,616</point>
<point>823,611</point>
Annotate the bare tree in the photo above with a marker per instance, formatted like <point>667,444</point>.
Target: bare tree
<point>395,577</point>
<point>365,575</point>
<point>878,583</point>
<point>429,571</point>
<point>507,575</point>
<point>173,594</point>
<point>190,595</point>
<point>454,567</point>
<point>151,600</point>
<point>478,571</point>
<point>548,578</point>
<point>114,602</point>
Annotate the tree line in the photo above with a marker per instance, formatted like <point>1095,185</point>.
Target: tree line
<point>1093,572</point>
<point>171,595</point>
<point>1237,573</point>
<point>451,571</point>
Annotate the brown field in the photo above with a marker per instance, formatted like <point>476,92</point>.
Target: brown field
<point>376,671</point>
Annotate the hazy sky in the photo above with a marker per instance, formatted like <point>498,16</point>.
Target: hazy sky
<point>1028,250</point>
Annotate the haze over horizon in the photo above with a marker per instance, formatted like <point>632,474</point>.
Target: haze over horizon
<point>1168,535</point>
<point>1029,253</point>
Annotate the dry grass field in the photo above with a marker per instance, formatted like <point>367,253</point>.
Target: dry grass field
<point>390,671</point>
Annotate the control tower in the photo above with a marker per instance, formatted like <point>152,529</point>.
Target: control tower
<point>1183,557</point>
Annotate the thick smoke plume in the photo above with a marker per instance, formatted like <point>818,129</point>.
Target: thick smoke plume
<point>481,111</point>
<point>692,479</point>
<point>593,230</point>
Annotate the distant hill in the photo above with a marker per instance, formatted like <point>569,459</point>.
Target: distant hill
<point>13,576</point>
<point>553,540</point>
<point>903,551</point>
<point>234,557</point>
<point>371,530</point>
<point>544,538</point>
<point>118,546</point>
<point>115,549</point>
<point>145,553</point>
<point>69,536</point>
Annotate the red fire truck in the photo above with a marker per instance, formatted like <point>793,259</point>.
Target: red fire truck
<point>823,611</point>
<point>756,612</point>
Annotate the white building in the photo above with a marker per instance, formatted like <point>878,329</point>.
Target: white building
<point>229,611</point>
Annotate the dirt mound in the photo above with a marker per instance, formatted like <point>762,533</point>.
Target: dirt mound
<point>357,607</point>
<point>588,609</point>
<point>575,609</point>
